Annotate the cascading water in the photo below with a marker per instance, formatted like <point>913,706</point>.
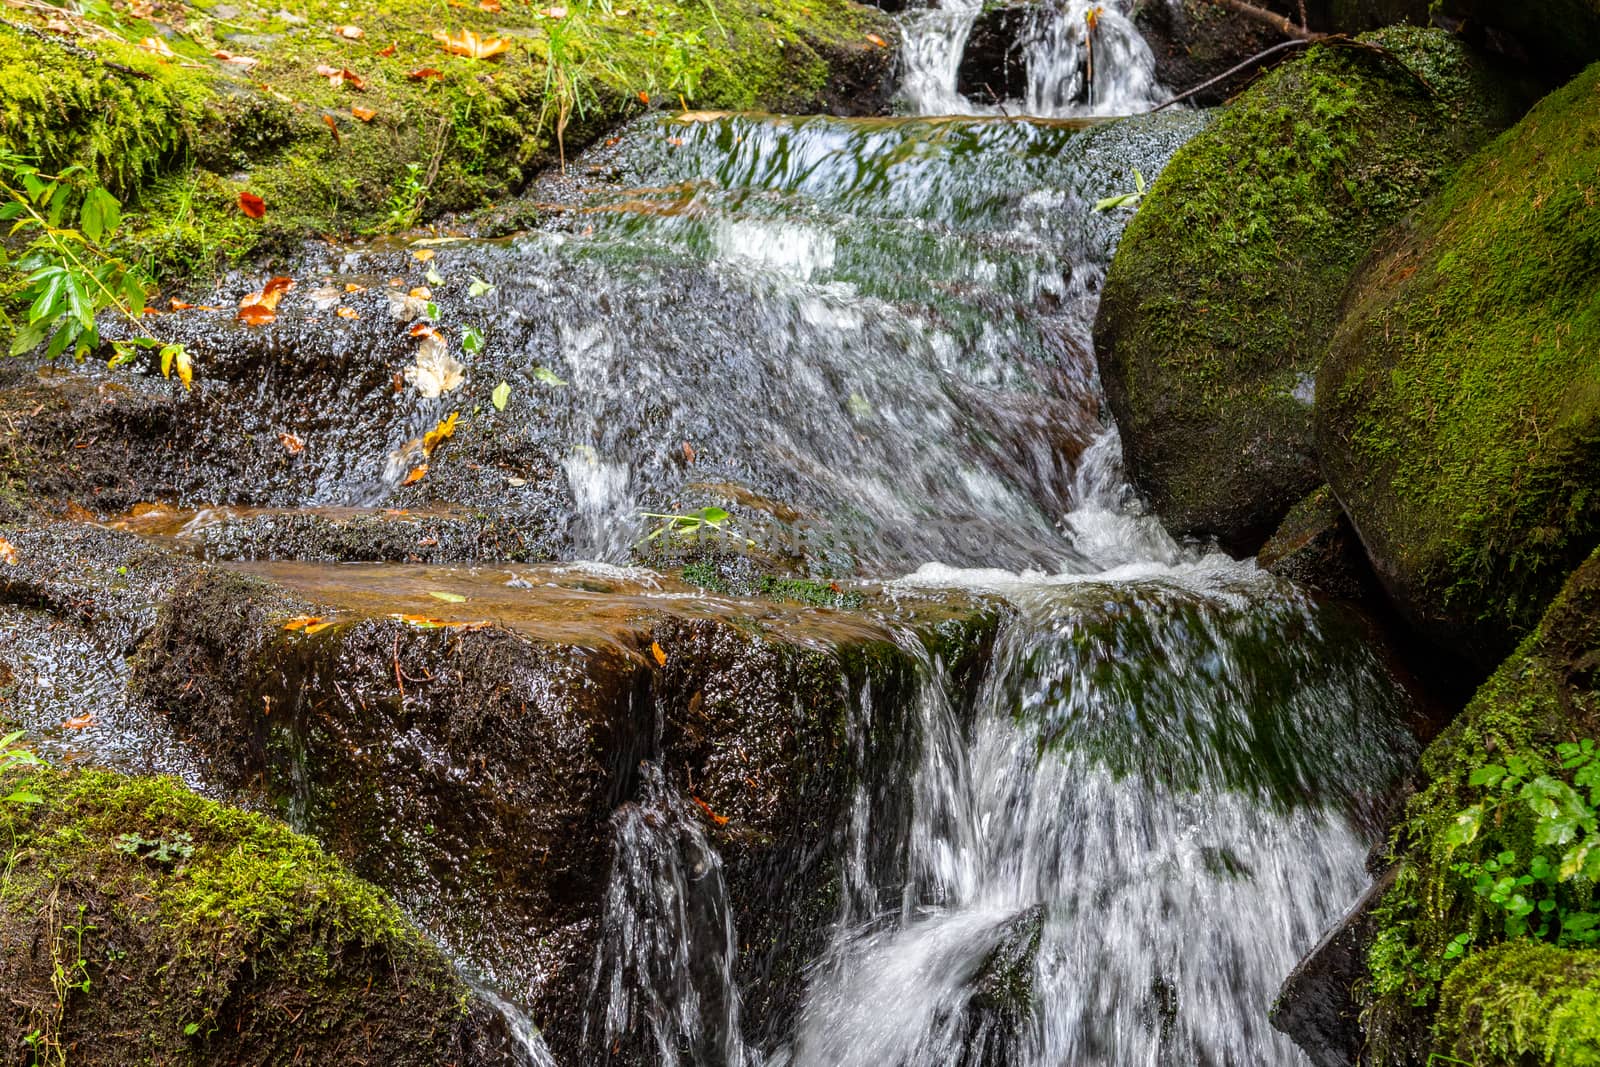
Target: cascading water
<point>1166,790</point>
<point>871,340</point>
<point>1083,58</point>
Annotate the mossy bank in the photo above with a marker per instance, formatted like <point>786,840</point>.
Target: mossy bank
<point>180,111</point>
<point>1523,1001</point>
<point>1225,289</point>
<point>140,923</point>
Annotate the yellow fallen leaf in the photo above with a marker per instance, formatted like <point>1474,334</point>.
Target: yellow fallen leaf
<point>8,553</point>
<point>422,255</point>
<point>184,368</point>
<point>659,653</point>
<point>466,43</point>
<point>446,428</point>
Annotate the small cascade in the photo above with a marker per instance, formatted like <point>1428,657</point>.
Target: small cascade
<point>1084,58</point>
<point>663,987</point>
<point>1166,797</point>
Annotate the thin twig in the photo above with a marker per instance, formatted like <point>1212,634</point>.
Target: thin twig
<point>1283,46</point>
<point>1282,23</point>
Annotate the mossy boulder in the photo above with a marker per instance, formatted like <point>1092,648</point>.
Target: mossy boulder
<point>140,923</point>
<point>1545,694</point>
<point>1225,289</point>
<point>1523,1002</point>
<point>1458,411</point>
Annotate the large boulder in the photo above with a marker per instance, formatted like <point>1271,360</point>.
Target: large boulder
<point>1225,289</point>
<point>141,923</point>
<point>1436,980</point>
<point>1458,410</point>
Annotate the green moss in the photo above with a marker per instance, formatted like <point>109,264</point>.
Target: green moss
<point>1225,289</point>
<point>180,138</point>
<point>1523,1003</point>
<point>806,591</point>
<point>1459,409</point>
<point>1543,695</point>
<point>257,926</point>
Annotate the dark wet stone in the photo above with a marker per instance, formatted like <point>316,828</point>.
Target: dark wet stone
<point>1315,546</point>
<point>1317,1006</point>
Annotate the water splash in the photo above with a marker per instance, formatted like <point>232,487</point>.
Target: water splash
<point>663,983</point>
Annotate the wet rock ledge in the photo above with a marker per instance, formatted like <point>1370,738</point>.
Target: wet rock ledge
<point>464,737</point>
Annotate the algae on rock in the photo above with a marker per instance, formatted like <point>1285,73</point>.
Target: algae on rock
<point>1458,411</point>
<point>1222,296</point>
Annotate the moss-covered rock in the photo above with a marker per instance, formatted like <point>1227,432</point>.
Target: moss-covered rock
<point>1523,1002</point>
<point>1225,289</point>
<point>1458,411</point>
<point>1547,693</point>
<point>180,130</point>
<point>140,923</point>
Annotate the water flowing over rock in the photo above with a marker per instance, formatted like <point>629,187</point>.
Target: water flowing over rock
<point>1069,792</point>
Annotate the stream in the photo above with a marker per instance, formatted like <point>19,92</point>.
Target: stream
<point>871,340</point>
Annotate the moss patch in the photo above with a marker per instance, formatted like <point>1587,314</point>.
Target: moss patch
<point>181,136</point>
<point>1459,408</point>
<point>1544,695</point>
<point>1523,1003</point>
<point>1225,289</point>
<point>217,936</point>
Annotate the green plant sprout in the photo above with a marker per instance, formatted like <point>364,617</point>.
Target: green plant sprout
<point>1130,200</point>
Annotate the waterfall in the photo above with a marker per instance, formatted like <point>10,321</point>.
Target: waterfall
<point>1083,58</point>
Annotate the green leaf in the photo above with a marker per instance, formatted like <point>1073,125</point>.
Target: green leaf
<point>1116,201</point>
<point>548,376</point>
<point>434,277</point>
<point>29,337</point>
<point>1138,179</point>
<point>448,598</point>
<point>22,797</point>
<point>472,341</point>
<point>100,214</point>
<point>479,287</point>
<point>501,394</point>
<point>1489,774</point>
<point>1463,829</point>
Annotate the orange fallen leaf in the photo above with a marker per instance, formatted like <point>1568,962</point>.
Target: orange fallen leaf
<point>659,653</point>
<point>879,41</point>
<point>338,76</point>
<point>333,128</point>
<point>489,5</point>
<point>252,205</point>
<point>688,452</point>
<point>260,307</point>
<point>347,313</point>
<point>720,820</point>
<point>422,255</point>
<point>422,292</point>
<point>386,52</point>
<point>422,329</point>
<point>275,288</point>
<point>256,314</point>
<point>469,44</point>
<point>428,622</point>
<point>234,59</point>
<point>179,305</point>
<point>352,287</point>
<point>291,444</point>
<point>8,553</point>
<point>156,47</point>
<point>300,622</point>
<point>365,114</point>
<point>418,473</point>
<point>423,73</point>
<point>644,97</point>
<point>349,33</point>
<point>78,722</point>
